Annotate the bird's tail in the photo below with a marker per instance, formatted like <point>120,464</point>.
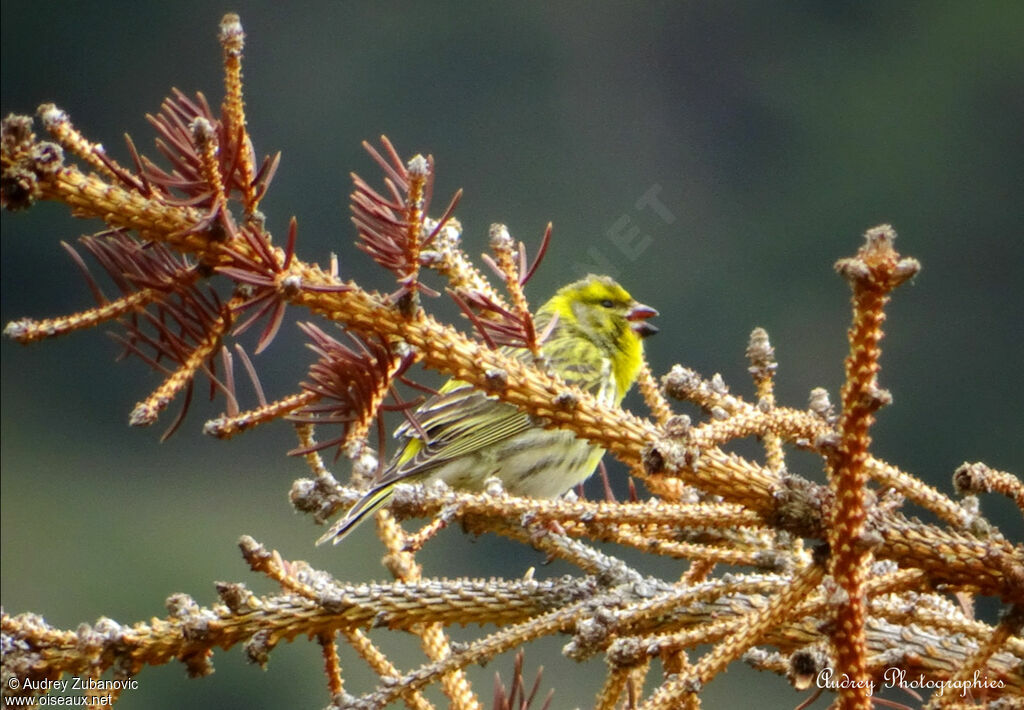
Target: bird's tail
<point>375,499</point>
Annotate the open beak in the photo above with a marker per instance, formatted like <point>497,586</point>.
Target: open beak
<point>638,316</point>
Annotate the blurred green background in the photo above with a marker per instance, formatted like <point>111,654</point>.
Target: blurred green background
<point>772,135</point>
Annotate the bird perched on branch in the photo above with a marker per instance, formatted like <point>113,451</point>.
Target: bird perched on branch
<point>464,436</point>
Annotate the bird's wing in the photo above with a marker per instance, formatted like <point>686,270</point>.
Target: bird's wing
<point>458,422</point>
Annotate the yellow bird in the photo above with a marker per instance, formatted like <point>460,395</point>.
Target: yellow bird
<point>464,436</point>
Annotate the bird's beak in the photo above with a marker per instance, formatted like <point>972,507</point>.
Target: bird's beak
<point>638,316</point>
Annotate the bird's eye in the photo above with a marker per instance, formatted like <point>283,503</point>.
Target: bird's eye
<point>607,303</point>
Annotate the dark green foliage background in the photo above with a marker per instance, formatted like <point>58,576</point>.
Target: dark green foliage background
<point>775,132</point>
